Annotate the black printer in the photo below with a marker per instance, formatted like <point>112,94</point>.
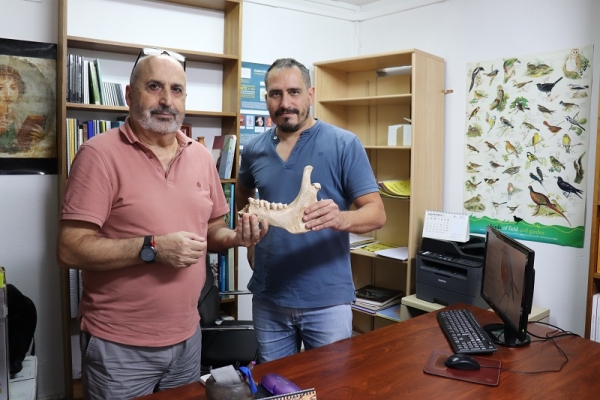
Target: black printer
<point>450,272</point>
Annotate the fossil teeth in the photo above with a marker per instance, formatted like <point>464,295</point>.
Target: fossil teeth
<point>288,217</point>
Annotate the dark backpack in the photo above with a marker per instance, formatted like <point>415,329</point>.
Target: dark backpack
<point>22,320</point>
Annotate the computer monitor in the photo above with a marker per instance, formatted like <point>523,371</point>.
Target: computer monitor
<point>507,286</point>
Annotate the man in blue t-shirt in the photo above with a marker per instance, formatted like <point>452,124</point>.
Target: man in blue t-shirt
<point>302,283</point>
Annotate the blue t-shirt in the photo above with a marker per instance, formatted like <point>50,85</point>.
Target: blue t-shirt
<point>310,269</point>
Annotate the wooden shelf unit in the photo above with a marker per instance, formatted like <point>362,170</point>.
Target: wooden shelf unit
<point>594,275</point>
<point>229,116</point>
<point>352,95</point>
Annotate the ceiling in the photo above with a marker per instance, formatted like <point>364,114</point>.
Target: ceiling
<point>357,2</point>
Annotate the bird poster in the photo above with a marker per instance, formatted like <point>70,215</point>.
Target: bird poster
<point>527,132</point>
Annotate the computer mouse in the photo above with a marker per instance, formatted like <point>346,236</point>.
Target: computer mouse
<point>277,384</point>
<point>462,361</point>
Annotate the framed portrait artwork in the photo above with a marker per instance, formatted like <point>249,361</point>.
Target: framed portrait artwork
<point>27,107</point>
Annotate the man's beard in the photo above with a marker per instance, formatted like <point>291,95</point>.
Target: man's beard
<point>145,119</point>
<point>287,126</point>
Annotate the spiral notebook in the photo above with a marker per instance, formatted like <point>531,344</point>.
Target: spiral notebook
<point>446,226</point>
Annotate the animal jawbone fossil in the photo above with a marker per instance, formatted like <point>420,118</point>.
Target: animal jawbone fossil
<point>288,217</point>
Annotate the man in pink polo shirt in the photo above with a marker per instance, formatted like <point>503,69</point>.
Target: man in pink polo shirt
<point>142,206</point>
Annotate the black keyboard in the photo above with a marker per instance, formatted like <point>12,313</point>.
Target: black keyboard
<point>464,332</point>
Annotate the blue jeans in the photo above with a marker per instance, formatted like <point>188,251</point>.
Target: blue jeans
<point>281,330</point>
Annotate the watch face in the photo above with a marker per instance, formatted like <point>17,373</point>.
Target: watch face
<point>148,254</point>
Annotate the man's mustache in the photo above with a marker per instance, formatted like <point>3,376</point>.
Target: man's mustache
<point>164,110</point>
<point>286,110</point>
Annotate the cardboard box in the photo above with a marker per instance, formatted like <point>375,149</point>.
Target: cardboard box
<point>399,135</point>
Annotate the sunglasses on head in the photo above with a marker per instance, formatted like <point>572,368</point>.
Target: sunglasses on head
<point>151,51</point>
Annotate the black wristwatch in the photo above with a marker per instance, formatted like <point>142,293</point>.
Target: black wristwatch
<point>148,252</point>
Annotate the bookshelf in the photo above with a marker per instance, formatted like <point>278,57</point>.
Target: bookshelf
<point>352,94</point>
<point>594,264</point>
<point>90,36</point>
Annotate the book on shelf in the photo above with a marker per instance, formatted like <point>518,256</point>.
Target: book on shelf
<point>377,295</point>
<point>229,192</point>
<point>74,292</point>
<point>86,82</point>
<point>114,94</point>
<point>358,241</point>
<point>227,156</point>
<point>230,269</point>
<point>94,86</point>
<point>372,308</point>
<point>396,188</point>
<point>392,313</point>
<point>100,82</point>
<point>376,246</point>
<point>217,148</point>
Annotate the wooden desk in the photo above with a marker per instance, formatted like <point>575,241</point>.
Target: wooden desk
<point>388,363</point>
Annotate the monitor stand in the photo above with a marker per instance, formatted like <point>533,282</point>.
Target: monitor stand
<point>504,337</point>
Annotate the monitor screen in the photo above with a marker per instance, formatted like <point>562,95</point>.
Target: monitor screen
<point>507,286</point>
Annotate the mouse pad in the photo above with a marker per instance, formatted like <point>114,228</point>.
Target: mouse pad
<point>488,374</point>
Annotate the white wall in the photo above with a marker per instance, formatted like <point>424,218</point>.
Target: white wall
<point>463,31</point>
<point>28,216</point>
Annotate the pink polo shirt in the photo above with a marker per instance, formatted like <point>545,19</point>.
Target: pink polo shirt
<point>118,184</point>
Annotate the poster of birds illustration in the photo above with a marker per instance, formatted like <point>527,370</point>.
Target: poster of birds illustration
<point>527,123</point>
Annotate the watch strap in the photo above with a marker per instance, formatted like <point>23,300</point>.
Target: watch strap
<point>149,240</point>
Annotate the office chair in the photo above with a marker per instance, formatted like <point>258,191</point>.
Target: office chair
<point>223,342</point>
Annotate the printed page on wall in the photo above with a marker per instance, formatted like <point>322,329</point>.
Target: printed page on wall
<point>254,118</point>
<point>527,135</point>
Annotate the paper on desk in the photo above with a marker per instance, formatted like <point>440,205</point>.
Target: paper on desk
<point>226,375</point>
<point>399,253</point>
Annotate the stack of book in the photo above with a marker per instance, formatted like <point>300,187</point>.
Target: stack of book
<point>399,189</point>
<point>85,84</point>
<point>357,241</point>
<point>371,298</point>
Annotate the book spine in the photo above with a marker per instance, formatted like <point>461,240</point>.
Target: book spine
<point>100,82</point>
<point>94,90</point>
<point>230,156</point>
<point>228,192</point>
<point>231,284</point>
<point>74,292</point>
<point>233,218</point>
<point>222,272</point>
<point>86,82</point>
<point>121,96</point>
<point>70,69</point>
<point>80,79</point>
